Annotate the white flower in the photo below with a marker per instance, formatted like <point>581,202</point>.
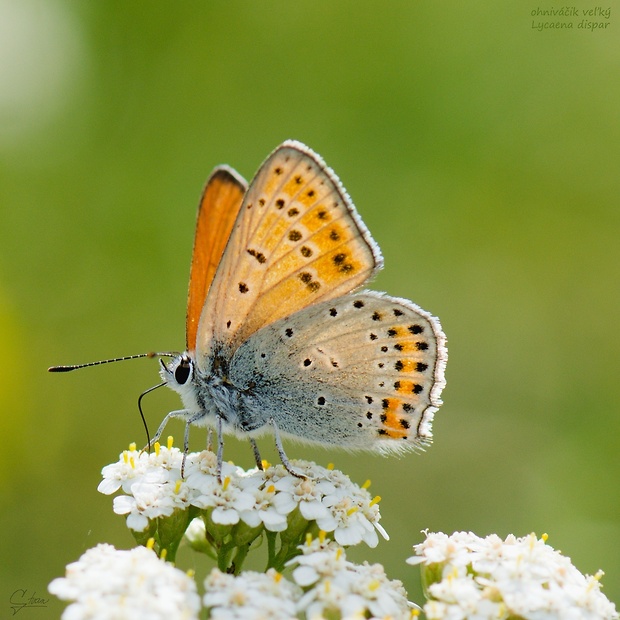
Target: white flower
<point>267,508</point>
<point>440,548</point>
<point>151,501</point>
<point>250,595</point>
<point>106,583</point>
<point>130,468</point>
<point>168,458</point>
<point>321,558</point>
<point>333,585</point>
<point>337,505</point>
<point>153,482</point>
<point>489,577</point>
<point>201,470</point>
<point>458,587</point>
<point>383,597</point>
<point>324,498</point>
<point>349,523</point>
<point>307,493</point>
<point>228,501</point>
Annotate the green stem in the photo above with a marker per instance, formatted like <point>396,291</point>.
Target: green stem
<point>171,551</point>
<point>223,556</point>
<point>287,552</point>
<point>237,563</point>
<point>271,548</point>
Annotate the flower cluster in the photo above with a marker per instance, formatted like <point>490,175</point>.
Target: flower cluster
<point>306,521</point>
<point>335,587</point>
<point>250,595</point>
<point>325,585</point>
<point>470,577</point>
<point>110,583</point>
<point>242,507</point>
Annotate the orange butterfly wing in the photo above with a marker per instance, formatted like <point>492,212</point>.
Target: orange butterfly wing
<point>297,241</point>
<point>217,212</point>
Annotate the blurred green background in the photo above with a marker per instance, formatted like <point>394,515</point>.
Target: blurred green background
<point>482,153</point>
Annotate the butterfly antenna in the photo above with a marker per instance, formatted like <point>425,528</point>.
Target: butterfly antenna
<point>146,428</point>
<point>116,359</point>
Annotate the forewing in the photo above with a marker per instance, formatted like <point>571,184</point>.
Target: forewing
<point>362,371</point>
<point>217,212</point>
<point>297,241</point>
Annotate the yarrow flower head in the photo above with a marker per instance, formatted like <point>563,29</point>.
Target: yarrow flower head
<point>470,577</point>
<point>110,583</point>
<point>325,585</point>
<point>250,595</point>
<point>239,508</point>
<point>305,522</point>
<point>335,587</point>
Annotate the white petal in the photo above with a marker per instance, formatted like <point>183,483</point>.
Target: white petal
<point>244,501</point>
<point>284,503</point>
<point>137,522</point>
<point>124,504</point>
<point>384,534</point>
<point>328,523</point>
<point>313,510</point>
<point>347,536</point>
<point>274,521</point>
<point>251,517</point>
<point>371,539</point>
<point>108,486</point>
<point>225,516</point>
<point>305,575</point>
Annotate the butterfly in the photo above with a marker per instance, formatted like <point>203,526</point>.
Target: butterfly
<point>279,336</point>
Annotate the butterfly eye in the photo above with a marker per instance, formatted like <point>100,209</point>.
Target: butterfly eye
<point>182,371</point>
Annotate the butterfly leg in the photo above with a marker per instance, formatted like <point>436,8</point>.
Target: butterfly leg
<point>185,448</point>
<point>281,453</point>
<point>191,420</point>
<point>210,440</point>
<point>257,458</point>
<point>180,413</point>
<point>220,447</point>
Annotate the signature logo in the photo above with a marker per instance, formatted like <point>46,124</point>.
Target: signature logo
<point>22,598</point>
